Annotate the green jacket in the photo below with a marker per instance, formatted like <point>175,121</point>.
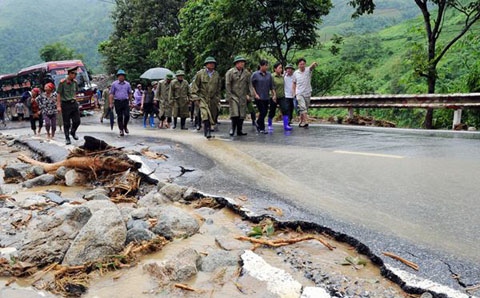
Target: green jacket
<point>180,96</point>
<point>238,87</point>
<point>206,87</point>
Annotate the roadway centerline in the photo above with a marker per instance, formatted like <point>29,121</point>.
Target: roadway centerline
<point>369,154</point>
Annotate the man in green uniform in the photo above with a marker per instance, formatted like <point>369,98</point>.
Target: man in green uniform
<point>238,89</point>
<point>67,104</point>
<point>206,90</point>
<point>161,94</point>
<point>180,96</point>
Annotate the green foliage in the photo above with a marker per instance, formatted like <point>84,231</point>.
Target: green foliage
<point>137,26</point>
<point>218,28</point>
<point>58,51</point>
<point>267,229</point>
<point>28,25</point>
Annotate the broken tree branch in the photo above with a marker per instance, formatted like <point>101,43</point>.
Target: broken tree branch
<point>406,262</point>
<point>284,242</point>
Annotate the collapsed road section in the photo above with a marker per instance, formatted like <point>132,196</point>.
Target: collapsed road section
<point>96,223</point>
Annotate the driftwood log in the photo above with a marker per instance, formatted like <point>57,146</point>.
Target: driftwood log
<point>95,163</point>
<point>92,156</point>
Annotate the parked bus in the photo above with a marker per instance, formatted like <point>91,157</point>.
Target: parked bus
<point>12,86</point>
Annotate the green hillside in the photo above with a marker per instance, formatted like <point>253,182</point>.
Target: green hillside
<point>27,25</point>
<point>380,62</point>
<point>387,13</point>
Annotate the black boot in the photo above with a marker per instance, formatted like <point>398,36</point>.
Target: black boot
<point>234,126</point>
<point>174,122</point>
<point>240,128</point>
<point>254,120</point>
<point>206,129</point>
<point>182,123</point>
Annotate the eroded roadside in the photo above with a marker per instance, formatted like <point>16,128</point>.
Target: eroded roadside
<point>195,236</point>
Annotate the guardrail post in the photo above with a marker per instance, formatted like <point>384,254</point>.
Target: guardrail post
<point>457,117</point>
<point>350,113</point>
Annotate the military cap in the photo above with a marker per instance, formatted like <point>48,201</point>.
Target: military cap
<point>169,76</point>
<point>289,65</point>
<point>238,59</point>
<point>210,60</point>
<point>180,73</point>
<point>73,68</point>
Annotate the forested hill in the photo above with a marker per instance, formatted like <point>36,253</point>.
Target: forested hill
<point>387,13</point>
<point>27,25</point>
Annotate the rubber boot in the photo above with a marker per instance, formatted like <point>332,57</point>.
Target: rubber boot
<point>145,121</point>
<point>67,138</point>
<point>286,126</point>
<point>152,121</point>
<point>234,126</point>
<point>270,125</point>
<point>182,123</point>
<point>206,129</point>
<point>174,122</point>
<point>240,128</point>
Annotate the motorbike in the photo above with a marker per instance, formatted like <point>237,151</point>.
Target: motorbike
<point>135,112</point>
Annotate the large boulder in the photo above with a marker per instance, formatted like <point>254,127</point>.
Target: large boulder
<point>180,268</point>
<point>152,199</point>
<point>73,178</point>
<point>136,224</point>
<point>60,172</point>
<point>16,170</point>
<point>97,194</point>
<point>34,200</point>
<point>173,192</point>
<point>104,234</point>
<point>97,205</point>
<point>217,259</point>
<point>37,170</point>
<point>173,222</point>
<point>42,180</point>
<point>139,235</point>
<point>49,241</point>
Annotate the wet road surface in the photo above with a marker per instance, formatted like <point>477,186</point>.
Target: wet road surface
<point>391,190</point>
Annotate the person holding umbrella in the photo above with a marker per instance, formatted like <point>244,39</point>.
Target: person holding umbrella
<point>180,96</point>
<point>120,97</point>
<point>67,104</point>
<point>238,89</point>
<point>206,90</point>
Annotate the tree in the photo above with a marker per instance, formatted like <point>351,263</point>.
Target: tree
<point>280,27</point>
<point>137,26</point>
<point>58,51</point>
<point>434,12</point>
<point>225,28</point>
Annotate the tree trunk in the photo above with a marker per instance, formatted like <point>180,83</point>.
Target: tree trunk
<point>431,80</point>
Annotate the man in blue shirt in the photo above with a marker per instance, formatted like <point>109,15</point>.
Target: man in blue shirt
<point>262,83</point>
<point>120,96</point>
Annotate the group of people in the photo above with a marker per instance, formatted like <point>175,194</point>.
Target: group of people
<point>172,97</point>
<point>41,107</point>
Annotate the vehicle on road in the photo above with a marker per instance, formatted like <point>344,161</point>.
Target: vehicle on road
<point>12,86</point>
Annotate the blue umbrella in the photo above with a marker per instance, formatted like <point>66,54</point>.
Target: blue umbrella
<point>157,73</point>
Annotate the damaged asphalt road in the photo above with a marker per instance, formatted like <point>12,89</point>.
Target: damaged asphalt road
<point>217,177</point>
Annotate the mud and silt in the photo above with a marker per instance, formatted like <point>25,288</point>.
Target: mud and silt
<point>217,269</point>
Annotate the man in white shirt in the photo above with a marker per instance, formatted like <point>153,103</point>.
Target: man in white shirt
<point>302,88</point>
<point>289,95</point>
